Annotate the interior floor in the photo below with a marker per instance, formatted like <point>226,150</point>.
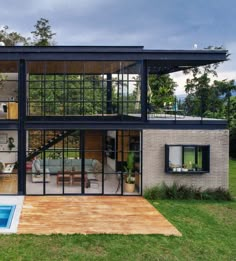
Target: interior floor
<point>8,183</point>
<point>112,185</point>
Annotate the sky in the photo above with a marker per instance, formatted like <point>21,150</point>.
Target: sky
<point>154,24</point>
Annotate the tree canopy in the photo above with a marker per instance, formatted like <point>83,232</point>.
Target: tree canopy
<point>211,99</point>
<point>42,35</point>
<point>12,38</point>
<point>162,90</point>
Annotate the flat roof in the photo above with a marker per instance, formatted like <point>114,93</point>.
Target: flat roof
<point>158,61</point>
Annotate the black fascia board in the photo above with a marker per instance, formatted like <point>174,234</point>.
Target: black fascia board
<point>191,125</point>
<point>103,53</point>
<point>70,49</point>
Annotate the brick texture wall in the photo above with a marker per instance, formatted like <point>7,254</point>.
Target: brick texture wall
<point>154,157</point>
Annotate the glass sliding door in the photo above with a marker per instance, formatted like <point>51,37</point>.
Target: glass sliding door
<point>129,161</point>
<point>91,162</point>
<point>112,175</point>
<point>72,164</point>
<point>34,164</point>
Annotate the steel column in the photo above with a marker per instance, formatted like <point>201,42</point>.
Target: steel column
<point>144,83</point>
<point>21,130</point>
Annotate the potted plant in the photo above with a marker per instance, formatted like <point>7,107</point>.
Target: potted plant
<point>184,168</point>
<point>129,179</point>
<point>195,167</point>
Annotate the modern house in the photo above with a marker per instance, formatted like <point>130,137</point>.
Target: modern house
<point>75,120</point>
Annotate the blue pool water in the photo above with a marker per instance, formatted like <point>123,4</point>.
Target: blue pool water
<point>6,215</point>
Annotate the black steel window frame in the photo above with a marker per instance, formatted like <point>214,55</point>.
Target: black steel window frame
<point>93,97</point>
<point>119,170</point>
<point>179,170</point>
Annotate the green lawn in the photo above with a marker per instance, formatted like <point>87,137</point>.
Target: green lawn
<point>208,228</point>
<point>232,177</point>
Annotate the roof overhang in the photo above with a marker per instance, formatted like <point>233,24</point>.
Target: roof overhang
<point>158,61</point>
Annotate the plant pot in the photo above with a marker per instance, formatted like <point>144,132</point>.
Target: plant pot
<point>129,187</point>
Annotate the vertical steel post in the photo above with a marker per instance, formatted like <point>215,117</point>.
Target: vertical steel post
<point>21,129</point>
<point>144,83</point>
<point>109,94</point>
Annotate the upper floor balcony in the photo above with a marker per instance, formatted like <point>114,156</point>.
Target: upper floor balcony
<point>92,83</point>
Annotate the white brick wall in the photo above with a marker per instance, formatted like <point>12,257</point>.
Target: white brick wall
<point>154,157</point>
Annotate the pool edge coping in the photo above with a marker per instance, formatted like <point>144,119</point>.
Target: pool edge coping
<point>18,201</point>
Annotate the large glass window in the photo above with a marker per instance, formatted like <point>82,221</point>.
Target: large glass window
<point>8,90</point>
<point>8,162</point>
<point>52,157</point>
<point>187,158</point>
<point>128,160</point>
<point>83,88</point>
<point>83,162</point>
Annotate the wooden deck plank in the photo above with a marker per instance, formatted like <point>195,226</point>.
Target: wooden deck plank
<point>92,215</point>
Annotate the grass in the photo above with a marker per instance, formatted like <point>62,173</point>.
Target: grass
<point>209,233</point>
<point>208,229</point>
<point>232,177</point>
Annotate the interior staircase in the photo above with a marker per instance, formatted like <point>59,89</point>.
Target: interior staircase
<point>59,137</point>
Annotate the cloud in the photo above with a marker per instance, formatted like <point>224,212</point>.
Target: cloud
<point>155,24</point>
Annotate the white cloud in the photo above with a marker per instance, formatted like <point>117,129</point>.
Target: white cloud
<point>180,79</point>
<point>110,22</point>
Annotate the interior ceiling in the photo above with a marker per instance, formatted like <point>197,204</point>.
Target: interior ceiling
<point>72,67</point>
<point>8,67</point>
<point>93,67</point>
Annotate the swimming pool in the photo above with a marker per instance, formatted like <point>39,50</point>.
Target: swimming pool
<point>6,215</point>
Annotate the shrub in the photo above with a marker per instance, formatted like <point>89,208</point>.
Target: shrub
<point>176,191</point>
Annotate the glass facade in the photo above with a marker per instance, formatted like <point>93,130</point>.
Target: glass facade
<point>8,162</point>
<point>8,90</point>
<point>83,88</point>
<point>82,162</point>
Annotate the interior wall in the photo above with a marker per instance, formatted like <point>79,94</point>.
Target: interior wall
<point>126,143</point>
<point>5,155</point>
<point>175,155</point>
<point>93,145</point>
<point>9,89</point>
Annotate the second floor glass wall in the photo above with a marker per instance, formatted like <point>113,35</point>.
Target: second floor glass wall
<point>84,88</point>
<point>8,90</point>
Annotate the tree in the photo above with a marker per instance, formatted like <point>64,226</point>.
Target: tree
<point>211,99</point>
<point>12,38</point>
<point>200,91</point>
<point>232,126</point>
<point>162,90</point>
<point>226,88</point>
<point>43,36</point>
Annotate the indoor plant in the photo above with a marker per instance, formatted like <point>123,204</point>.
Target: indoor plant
<point>129,178</point>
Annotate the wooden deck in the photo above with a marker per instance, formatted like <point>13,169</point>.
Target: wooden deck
<point>92,215</point>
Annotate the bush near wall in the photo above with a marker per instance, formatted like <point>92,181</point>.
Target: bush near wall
<point>176,191</point>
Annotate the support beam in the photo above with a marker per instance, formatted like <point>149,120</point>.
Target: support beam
<point>109,94</point>
<point>21,131</point>
<point>144,83</point>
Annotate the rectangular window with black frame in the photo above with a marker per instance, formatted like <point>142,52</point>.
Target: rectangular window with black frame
<point>187,159</point>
